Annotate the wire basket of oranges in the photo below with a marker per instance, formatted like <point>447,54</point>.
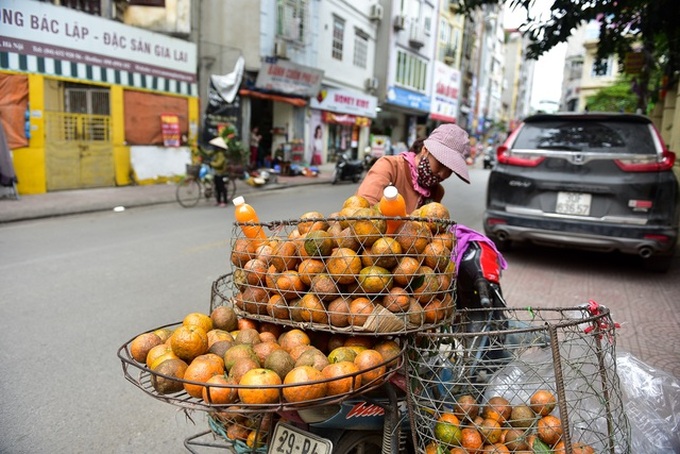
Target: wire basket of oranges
<point>518,380</point>
<point>345,272</point>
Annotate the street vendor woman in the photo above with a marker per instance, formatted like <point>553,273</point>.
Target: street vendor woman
<point>417,174</point>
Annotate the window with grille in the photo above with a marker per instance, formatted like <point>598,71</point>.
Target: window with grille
<point>292,20</point>
<point>411,71</point>
<point>360,49</point>
<point>602,68</point>
<point>338,37</point>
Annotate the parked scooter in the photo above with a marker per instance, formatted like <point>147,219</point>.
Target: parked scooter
<point>347,168</point>
<point>379,422</point>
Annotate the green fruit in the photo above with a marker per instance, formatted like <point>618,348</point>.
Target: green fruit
<point>448,433</point>
<point>318,243</point>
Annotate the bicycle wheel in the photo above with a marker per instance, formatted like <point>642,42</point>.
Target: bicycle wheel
<point>188,192</point>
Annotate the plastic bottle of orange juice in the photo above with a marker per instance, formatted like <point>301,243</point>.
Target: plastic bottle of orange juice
<point>246,213</point>
<point>392,204</point>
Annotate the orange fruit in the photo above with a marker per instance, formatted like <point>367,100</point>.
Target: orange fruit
<point>435,311</point>
<point>298,350</point>
<point>429,287</point>
<point>397,300</point>
<point>253,299</point>
<point>224,318</point>
<point>158,354</point>
<point>445,238</point>
<point>170,368</point>
<point>342,377</point>
<point>256,439</point>
<point>301,390</point>
<point>280,361</point>
<point>264,349</point>
<point>318,243</point>
<point>311,221</point>
<point>308,268</point>
<point>140,346</point>
<point>217,335</point>
<point>389,350</point>
<point>413,236</point>
<point>285,256</point>
<point>236,431</point>
<point>496,448</point>
<point>516,440</point>
<point>189,341</point>
<point>542,402</point>
<point>324,287</point>
<point>356,201</point>
<point>342,354</point>
<point>249,336</point>
<point>345,238</point>
<point>290,285</point>
<point>277,307</point>
<point>434,448</point>
<point>521,416</point>
<point>406,271</point>
<point>311,309</point>
<point>221,394</point>
<point>447,429</point>
<point>549,429</point>
<point>255,271</point>
<point>371,364</point>
<point>436,256</point>
<point>437,215</point>
<point>338,312</point>
<point>290,339</point>
<point>375,279</point>
<point>497,408</point>
<point>343,265</point>
<point>242,251</point>
<point>259,386</point>
<point>242,366</point>
<point>312,357</point>
<point>466,407</point>
<point>201,369</point>
<point>360,309</point>
<point>368,227</point>
<point>490,430</point>
<point>198,319</point>
<point>238,353</point>
<point>471,440</point>
<point>385,252</point>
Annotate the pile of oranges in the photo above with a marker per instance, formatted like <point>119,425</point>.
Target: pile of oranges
<point>343,270</point>
<point>226,360</point>
<point>497,427</point>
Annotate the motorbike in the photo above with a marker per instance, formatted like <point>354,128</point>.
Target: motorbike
<point>379,422</point>
<point>347,168</point>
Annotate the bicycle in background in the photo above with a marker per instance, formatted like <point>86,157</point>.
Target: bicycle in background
<point>199,183</point>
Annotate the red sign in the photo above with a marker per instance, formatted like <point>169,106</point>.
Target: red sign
<point>170,130</point>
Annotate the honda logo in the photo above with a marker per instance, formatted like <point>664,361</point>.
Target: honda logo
<point>578,158</point>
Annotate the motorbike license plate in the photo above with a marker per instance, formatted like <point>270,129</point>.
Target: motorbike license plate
<point>573,203</point>
<point>291,440</point>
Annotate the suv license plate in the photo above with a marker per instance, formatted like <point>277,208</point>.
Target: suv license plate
<point>573,203</point>
<point>291,440</point>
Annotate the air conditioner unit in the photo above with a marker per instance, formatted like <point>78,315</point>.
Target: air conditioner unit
<point>376,12</point>
<point>280,50</point>
<point>399,22</point>
<point>372,83</point>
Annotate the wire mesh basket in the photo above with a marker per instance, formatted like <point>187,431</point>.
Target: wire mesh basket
<point>346,274</point>
<point>265,397</point>
<point>193,170</point>
<point>544,378</point>
<point>247,433</point>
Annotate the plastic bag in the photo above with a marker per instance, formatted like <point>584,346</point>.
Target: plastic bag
<point>652,402</point>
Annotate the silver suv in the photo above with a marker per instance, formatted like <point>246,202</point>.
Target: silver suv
<point>596,181</point>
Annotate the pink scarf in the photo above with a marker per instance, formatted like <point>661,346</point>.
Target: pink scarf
<point>410,157</point>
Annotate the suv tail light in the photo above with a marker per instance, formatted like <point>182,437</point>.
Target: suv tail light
<point>648,165</point>
<point>517,159</point>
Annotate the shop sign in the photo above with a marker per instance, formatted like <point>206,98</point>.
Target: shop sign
<point>445,93</point>
<point>409,99</point>
<point>44,30</point>
<point>345,101</point>
<point>344,119</point>
<point>170,130</point>
<point>290,78</point>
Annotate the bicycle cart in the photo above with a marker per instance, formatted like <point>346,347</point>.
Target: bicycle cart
<point>199,184</point>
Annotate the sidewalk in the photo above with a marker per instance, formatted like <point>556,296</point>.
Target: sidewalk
<point>60,203</point>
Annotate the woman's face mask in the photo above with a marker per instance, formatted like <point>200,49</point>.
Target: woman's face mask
<point>426,177</point>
